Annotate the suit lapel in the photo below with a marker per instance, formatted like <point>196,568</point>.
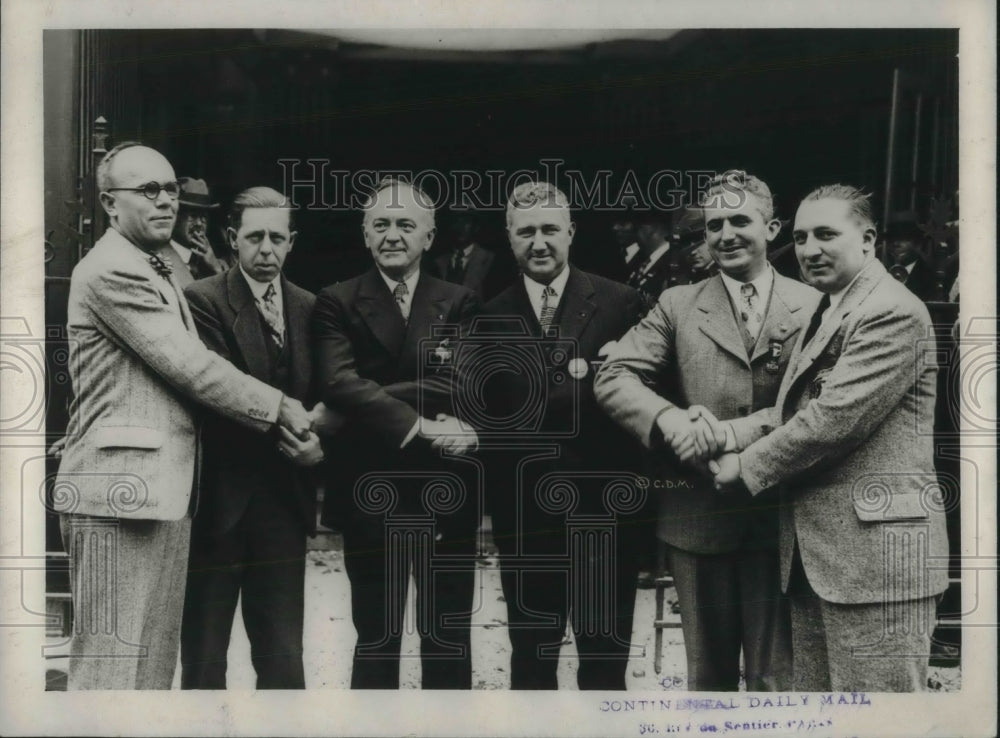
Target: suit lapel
<point>780,321</point>
<point>247,330</point>
<point>380,313</point>
<point>297,312</point>
<point>855,295</point>
<point>428,308</point>
<point>479,263</point>
<point>717,320</point>
<point>576,307</point>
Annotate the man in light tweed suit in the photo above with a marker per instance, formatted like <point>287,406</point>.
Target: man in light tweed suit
<point>722,344</point>
<point>128,471</point>
<point>850,442</point>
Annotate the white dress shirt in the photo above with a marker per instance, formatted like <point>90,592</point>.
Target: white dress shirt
<point>259,288</point>
<point>535,290</point>
<point>411,285</point>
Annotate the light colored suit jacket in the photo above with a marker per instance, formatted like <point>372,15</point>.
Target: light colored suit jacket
<point>690,350</point>
<point>138,371</point>
<point>851,440</point>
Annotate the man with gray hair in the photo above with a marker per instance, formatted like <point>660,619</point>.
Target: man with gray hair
<point>390,491</point>
<point>126,485</point>
<point>566,547</point>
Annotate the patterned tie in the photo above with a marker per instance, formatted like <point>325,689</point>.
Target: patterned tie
<point>635,279</point>
<point>549,303</point>
<point>752,319</point>
<point>817,318</point>
<point>399,295</point>
<point>456,267</point>
<point>269,309</point>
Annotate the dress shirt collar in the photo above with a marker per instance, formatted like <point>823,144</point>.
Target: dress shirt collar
<point>655,256</point>
<point>410,282</point>
<point>535,289</point>
<point>259,288</point>
<point>764,282</point>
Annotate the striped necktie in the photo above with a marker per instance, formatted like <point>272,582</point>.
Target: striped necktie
<point>269,309</point>
<point>752,319</point>
<point>399,295</point>
<point>548,311</point>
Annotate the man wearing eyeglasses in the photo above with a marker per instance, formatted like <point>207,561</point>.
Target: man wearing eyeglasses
<point>126,481</point>
<point>722,344</point>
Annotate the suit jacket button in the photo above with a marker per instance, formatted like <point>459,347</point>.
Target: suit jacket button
<point>743,410</point>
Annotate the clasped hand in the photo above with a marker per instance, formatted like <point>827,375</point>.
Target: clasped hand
<point>695,434</point>
<point>449,433</point>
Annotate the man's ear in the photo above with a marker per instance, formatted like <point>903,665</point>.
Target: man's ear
<point>430,238</point>
<point>108,203</point>
<point>291,239</point>
<point>773,229</point>
<point>231,235</point>
<point>572,229</point>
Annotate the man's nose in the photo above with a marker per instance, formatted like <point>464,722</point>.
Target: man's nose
<point>727,234</point>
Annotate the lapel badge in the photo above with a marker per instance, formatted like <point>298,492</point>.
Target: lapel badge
<point>442,354</point>
<point>578,368</point>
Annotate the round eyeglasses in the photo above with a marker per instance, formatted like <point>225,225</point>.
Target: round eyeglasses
<point>152,190</point>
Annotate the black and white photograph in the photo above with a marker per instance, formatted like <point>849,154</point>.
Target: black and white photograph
<point>618,371</point>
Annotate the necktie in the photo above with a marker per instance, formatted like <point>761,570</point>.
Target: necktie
<point>635,279</point>
<point>269,309</point>
<point>817,318</point>
<point>399,294</point>
<point>749,311</point>
<point>548,311</point>
<point>456,269</point>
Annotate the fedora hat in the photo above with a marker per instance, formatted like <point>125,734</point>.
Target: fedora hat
<point>194,194</point>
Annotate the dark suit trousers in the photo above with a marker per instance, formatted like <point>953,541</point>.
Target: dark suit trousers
<point>728,601</point>
<point>379,559</point>
<point>262,560</point>
<point>548,575</point>
<point>876,647</point>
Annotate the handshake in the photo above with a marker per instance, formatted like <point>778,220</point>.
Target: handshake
<point>697,437</point>
<point>449,433</point>
<point>298,430</point>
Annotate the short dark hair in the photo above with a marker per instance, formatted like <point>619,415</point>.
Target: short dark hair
<point>859,201</point>
<point>259,197</point>
<point>737,180</point>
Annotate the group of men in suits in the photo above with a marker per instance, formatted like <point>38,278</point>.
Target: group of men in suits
<point>429,407</point>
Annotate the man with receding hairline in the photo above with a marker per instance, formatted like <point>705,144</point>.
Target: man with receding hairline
<point>367,335</point>
<point>849,444</point>
<point>139,373</point>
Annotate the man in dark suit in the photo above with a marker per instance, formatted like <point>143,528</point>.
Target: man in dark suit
<point>904,241</point>
<point>850,443</point>
<point>191,255</point>
<point>398,503</point>
<point>652,270</point>
<point>723,344</point>
<point>467,263</point>
<point>248,538</point>
<point>569,457</point>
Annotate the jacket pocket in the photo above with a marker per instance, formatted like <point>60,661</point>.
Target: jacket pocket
<point>127,436</point>
<point>877,503</point>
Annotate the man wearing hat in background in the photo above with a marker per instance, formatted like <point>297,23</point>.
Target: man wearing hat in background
<point>652,271</point>
<point>193,256</point>
<point>904,239</point>
<point>694,247</point>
